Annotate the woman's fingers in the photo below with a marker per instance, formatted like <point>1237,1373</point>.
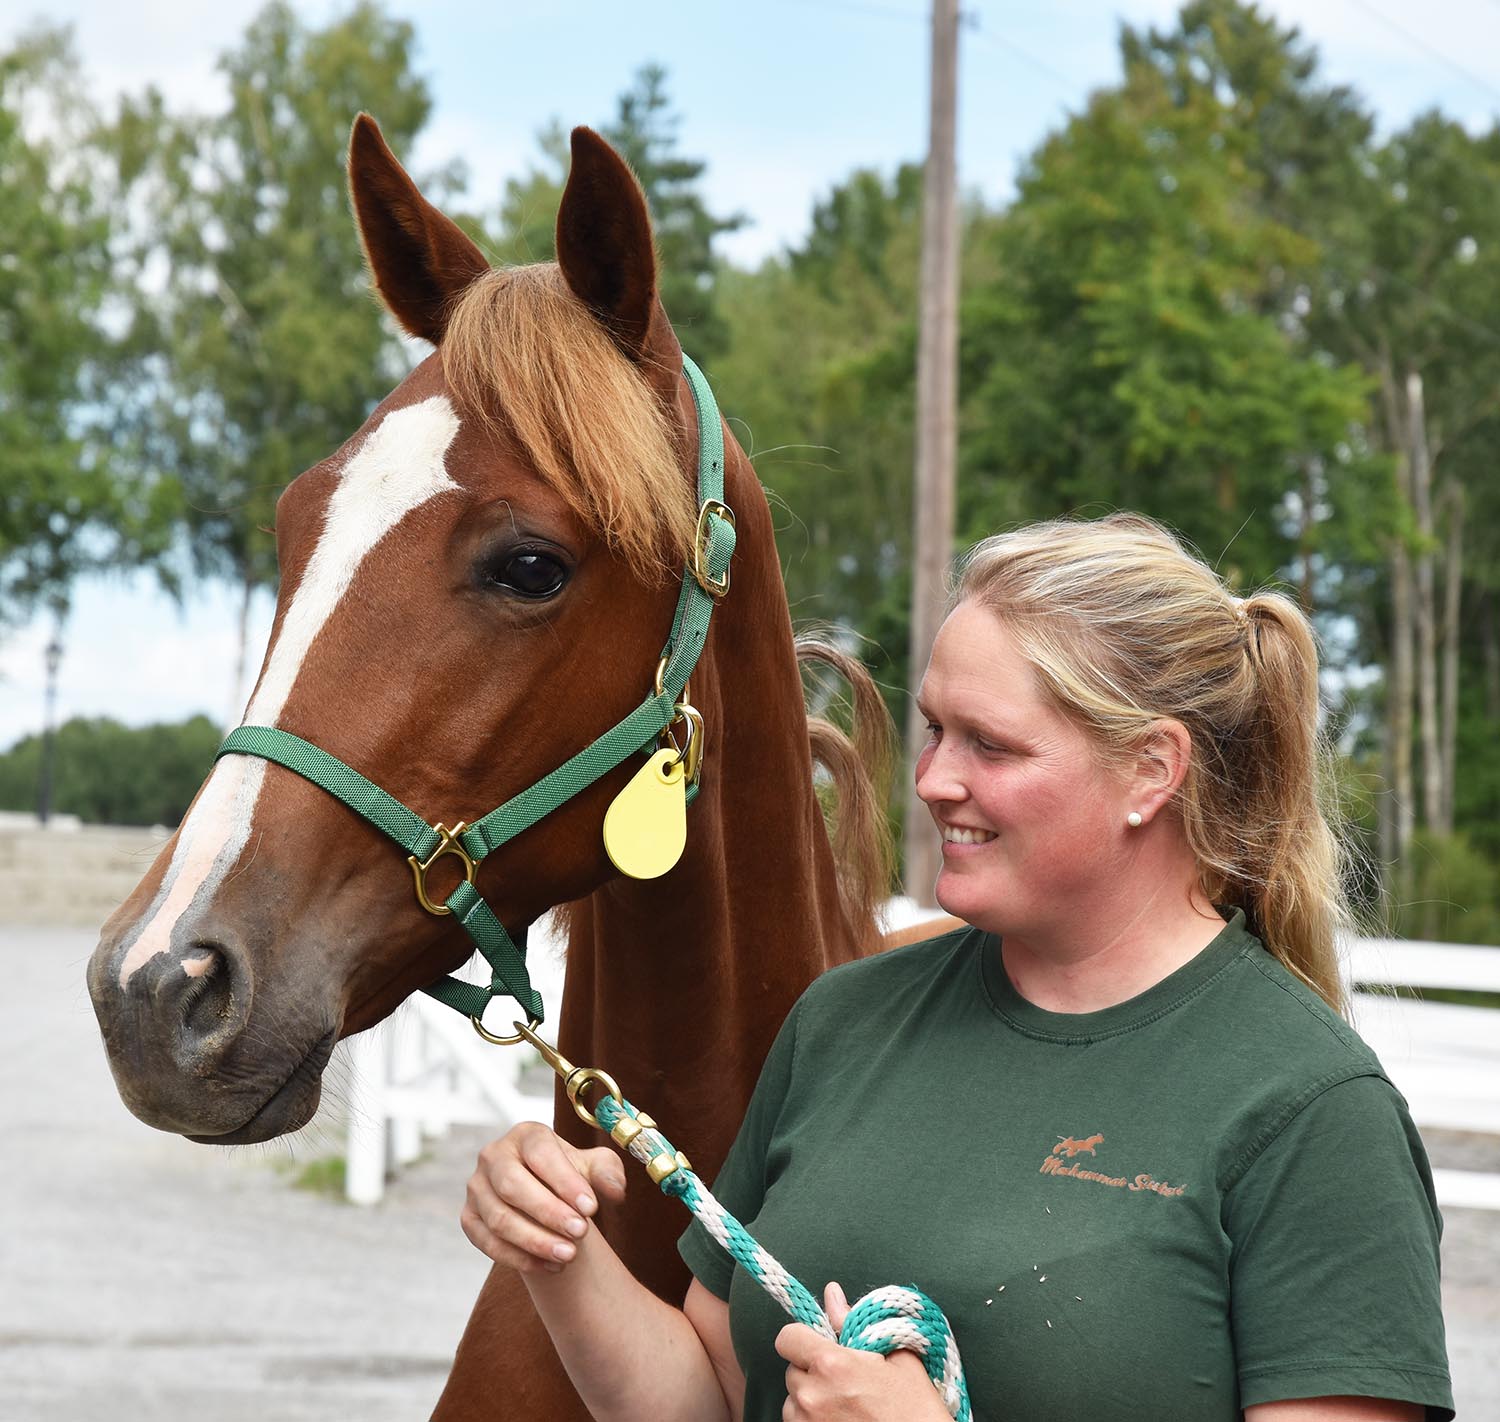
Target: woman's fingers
<point>529,1200</point>
<point>835,1305</point>
<point>604,1170</point>
<point>519,1209</point>
<point>488,1243</point>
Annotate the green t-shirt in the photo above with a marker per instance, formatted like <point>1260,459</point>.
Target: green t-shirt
<point>1206,1197</point>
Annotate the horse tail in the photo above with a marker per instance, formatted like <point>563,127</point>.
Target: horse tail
<point>855,785</point>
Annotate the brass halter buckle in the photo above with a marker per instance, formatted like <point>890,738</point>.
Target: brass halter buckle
<point>714,587</point>
<point>448,844</point>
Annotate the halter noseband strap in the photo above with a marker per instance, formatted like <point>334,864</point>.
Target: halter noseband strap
<point>705,581</point>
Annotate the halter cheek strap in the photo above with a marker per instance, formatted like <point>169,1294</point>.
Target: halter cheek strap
<point>705,581</point>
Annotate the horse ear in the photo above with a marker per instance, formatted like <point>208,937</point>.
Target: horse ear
<point>420,260</point>
<point>605,251</point>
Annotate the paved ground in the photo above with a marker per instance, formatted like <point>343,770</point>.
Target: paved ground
<point>145,1279</point>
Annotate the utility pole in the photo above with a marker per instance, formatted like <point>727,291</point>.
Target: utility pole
<point>937,418</point>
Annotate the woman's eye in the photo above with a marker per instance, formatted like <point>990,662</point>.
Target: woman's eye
<point>530,573</point>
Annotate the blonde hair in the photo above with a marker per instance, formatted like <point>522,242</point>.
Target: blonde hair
<point>1125,627</point>
<point>524,354</point>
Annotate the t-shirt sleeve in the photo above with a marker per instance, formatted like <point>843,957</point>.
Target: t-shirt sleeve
<point>740,1185</point>
<point>1334,1264</point>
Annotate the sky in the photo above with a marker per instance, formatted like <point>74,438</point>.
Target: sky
<point>782,100</point>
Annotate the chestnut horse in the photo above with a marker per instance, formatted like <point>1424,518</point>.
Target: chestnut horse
<point>475,586</point>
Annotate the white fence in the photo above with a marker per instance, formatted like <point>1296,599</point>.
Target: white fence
<point>427,1069</point>
<point>1444,1058</point>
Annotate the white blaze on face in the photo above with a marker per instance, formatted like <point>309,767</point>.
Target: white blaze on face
<point>398,467</point>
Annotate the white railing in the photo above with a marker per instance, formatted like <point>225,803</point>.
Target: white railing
<point>426,1070</point>
<point>1444,1058</point>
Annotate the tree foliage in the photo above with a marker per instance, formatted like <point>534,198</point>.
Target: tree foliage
<point>65,503</point>
<point>259,349</point>
<point>107,773</point>
<point>644,130</point>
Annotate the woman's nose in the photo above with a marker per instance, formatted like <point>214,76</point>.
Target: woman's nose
<point>936,775</point>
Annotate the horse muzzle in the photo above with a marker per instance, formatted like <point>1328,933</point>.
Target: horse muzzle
<point>196,1050</point>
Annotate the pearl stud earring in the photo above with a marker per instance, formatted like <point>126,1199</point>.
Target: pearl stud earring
<point>1133,819</point>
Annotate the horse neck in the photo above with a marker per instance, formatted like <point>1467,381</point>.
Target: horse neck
<point>678,985</point>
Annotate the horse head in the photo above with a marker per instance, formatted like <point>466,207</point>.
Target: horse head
<point>488,565</point>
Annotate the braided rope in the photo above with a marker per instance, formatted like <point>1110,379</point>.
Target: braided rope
<point>882,1321</point>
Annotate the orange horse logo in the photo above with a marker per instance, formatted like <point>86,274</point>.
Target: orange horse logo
<point>1068,1146</point>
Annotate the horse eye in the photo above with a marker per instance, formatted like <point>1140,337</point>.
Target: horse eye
<point>530,573</point>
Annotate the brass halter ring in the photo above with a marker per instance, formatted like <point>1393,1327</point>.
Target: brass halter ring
<point>690,752</point>
<point>500,1041</point>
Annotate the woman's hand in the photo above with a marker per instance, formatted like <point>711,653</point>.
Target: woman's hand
<point>529,1200</point>
<point>828,1383</point>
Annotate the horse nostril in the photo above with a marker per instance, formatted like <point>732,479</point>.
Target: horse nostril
<point>207,999</point>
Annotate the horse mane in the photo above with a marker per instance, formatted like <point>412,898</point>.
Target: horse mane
<point>522,353</point>
<point>858,766</point>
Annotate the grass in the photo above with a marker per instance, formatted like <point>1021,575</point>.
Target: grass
<point>322,1176</point>
<point>1464,997</point>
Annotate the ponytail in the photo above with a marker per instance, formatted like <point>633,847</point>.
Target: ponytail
<point>1282,864</point>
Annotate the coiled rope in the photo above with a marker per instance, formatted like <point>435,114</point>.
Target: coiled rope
<point>882,1321</point>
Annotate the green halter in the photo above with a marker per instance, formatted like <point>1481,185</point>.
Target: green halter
<point>705,581</point>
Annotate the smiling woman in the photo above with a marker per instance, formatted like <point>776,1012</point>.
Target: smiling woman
<point>1146,1168</point>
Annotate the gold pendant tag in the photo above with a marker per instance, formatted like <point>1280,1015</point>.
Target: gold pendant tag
<point>645,830</point>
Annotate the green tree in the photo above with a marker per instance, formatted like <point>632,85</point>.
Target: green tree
<point>108,773</point>
<point>644,129</point>
<point>65,507</point>
<point>819,383</point>
<point>263,350</point>
<point>1130,352</point>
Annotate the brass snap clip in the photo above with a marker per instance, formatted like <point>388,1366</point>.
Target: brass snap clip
<point>448,844</point>
<point>714,587</point>
<point>575,1080</point>
<point>690,752</point>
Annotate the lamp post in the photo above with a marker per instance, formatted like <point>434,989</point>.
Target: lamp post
<point>53,654</point>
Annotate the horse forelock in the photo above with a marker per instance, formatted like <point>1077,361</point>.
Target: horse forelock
<point>522,352</point>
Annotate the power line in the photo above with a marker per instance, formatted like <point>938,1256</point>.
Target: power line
<point>976,23</point>
<point>1413,38</point>
<point>978,26</point>
<point>861,7</point>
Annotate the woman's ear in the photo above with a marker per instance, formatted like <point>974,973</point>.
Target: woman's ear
<point>1160,766</point>
<point>421,261</point>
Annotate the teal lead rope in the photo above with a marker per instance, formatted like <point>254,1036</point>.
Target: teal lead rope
<point>884,1320</point>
